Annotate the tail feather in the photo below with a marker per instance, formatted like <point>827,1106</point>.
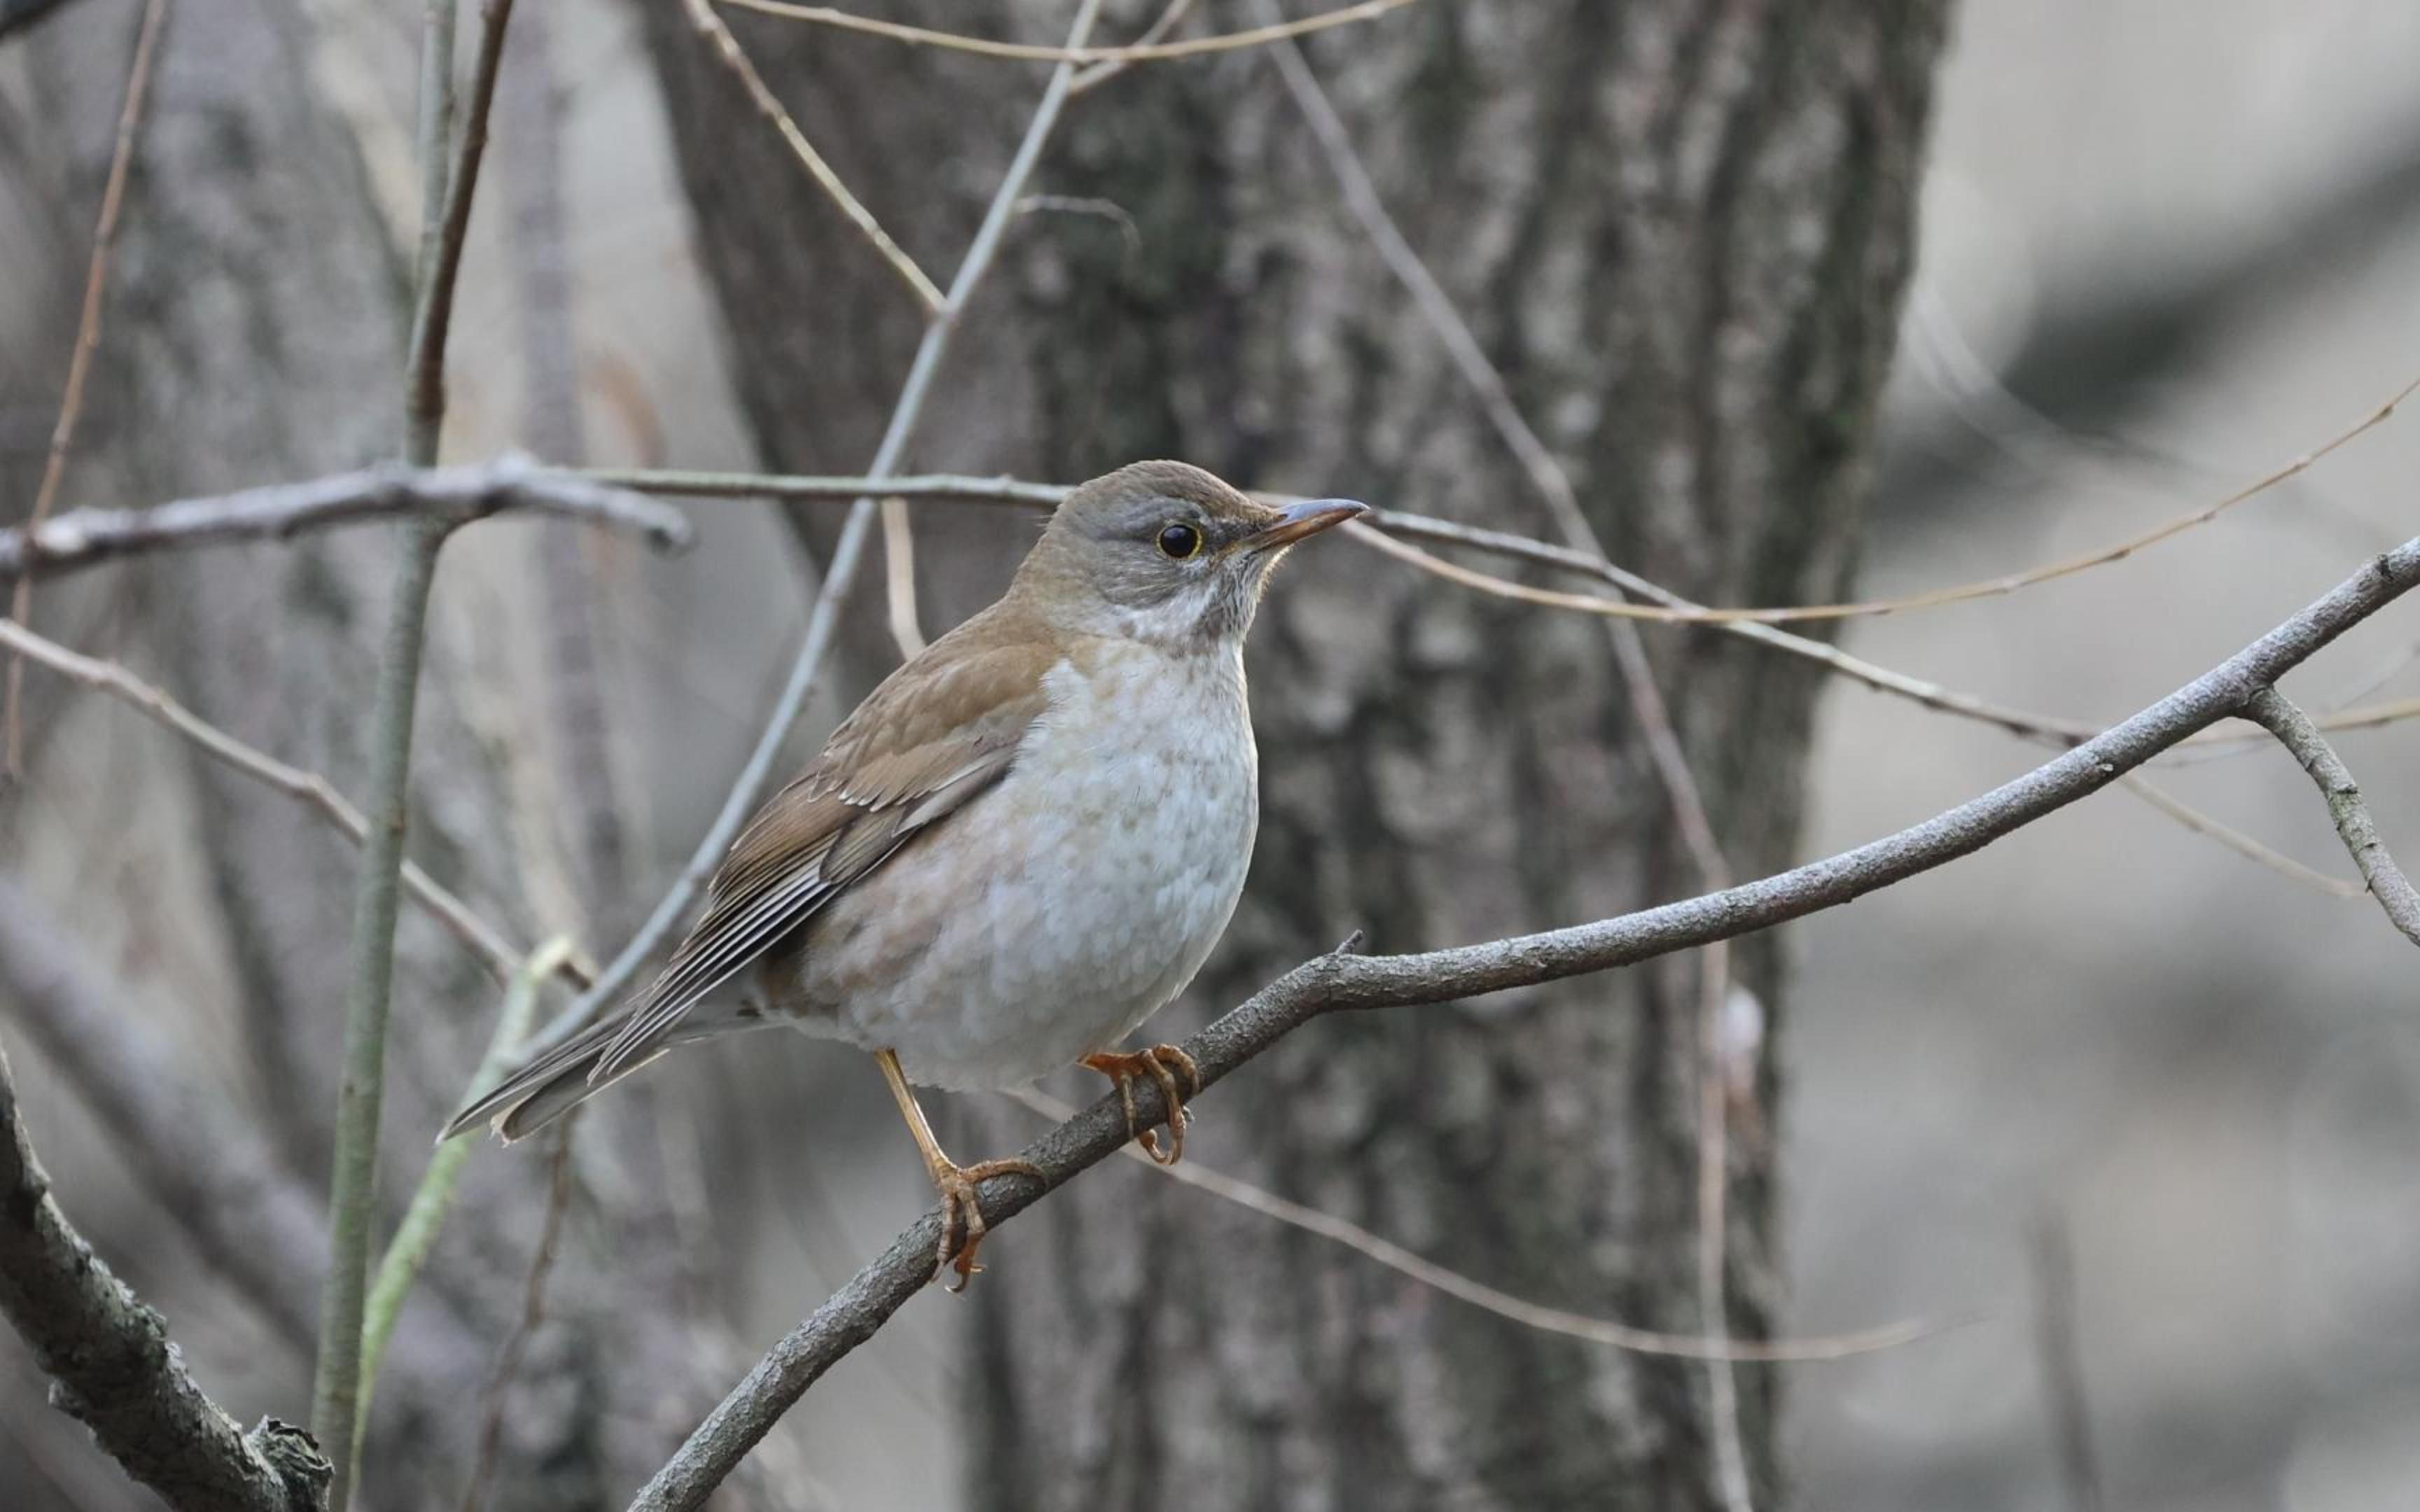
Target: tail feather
<point>559,1080</point>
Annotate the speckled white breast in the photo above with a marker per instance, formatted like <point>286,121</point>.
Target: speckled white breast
<point>1064,907</point>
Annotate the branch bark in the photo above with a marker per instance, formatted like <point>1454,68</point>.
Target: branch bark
<point>84,537</point>
<point>352,1184</point>
<point>1340,980</point>
<point>114,1366</point>
<point>2294,730</point>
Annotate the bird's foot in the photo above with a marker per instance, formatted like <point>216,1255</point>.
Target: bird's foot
<point>1162,1063</point>
<point>962,1219</point>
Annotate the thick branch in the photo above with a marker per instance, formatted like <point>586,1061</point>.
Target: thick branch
<point>1341,981</point>
<point>2297,734</point>
<point>113,1365</point>
<point>84,536</point>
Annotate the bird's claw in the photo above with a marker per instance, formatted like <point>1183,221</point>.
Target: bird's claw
<point>1162,1063</point>
<point>962,1219</point>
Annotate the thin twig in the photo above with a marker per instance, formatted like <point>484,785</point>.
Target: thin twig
<point>425,1218</point>
<point>508,1358</point>
<point>352,1181</point>
<point>2056,1360</point>
<point>1504,1304</point>
<point>2238,841</point>
<point>1072,52</point>
<point>95,283</point>
<point>482,938</point>
<point>2042,729</point>
<point>2297,734</point>
<point>1339,982</point>
<point>1101,73</point>
<point>726,47</point>
<point>899,575</point>
<point>968,488</point>
<point>1933,597</point>
<point>841,571</point>
<point>458,495</point>
<point>110,1357</point>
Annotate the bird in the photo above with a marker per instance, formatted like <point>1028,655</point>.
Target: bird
<point>1018,848</point>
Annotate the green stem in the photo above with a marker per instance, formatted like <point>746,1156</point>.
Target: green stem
<point>353,1185</point>
<point>423,1221</point>
<point>446,193</point>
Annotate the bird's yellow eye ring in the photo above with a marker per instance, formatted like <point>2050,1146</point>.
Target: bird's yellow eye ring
<point>1179,542</point>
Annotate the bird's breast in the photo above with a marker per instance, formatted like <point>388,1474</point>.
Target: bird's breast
<point>1074,899</point>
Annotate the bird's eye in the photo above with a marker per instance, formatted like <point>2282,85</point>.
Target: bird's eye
<point>1178,541</point>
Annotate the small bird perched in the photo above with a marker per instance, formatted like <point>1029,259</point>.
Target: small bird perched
<point>1018,848</point>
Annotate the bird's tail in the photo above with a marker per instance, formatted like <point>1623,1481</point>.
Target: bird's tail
<point>555,1083</point>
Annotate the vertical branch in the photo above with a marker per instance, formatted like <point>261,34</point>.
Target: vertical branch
<point>841,571</point>
<point>96,282</point>
<point>508,1358</point>
<point>352,1184</point>
<point>426,1217</point>
<point>2060,1369</point>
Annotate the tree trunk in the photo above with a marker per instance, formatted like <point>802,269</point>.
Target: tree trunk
<point>1682,232</point>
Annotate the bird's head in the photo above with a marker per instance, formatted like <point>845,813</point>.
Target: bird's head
<point>1165,554</point>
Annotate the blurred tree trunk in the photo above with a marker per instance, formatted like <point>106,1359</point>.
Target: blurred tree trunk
<point>254,333</point>
<point>1682,231</point>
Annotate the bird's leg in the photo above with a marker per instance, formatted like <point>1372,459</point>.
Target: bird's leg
<point>961,1212</point>
<point>1162,1063</point>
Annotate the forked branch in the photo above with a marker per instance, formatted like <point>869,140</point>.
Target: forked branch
<point>2294,730</point>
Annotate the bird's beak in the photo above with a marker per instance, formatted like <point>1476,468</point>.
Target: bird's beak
<point>1307,516</point>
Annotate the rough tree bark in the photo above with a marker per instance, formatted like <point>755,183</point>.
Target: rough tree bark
<point>1683,230</point>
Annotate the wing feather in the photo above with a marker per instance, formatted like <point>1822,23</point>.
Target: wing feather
<point>934,738</point>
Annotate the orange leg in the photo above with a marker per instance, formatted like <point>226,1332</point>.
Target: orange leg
<point>1162,1063</point>
<point>962,1219</point>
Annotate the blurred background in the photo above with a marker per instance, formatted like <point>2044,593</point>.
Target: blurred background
<point>2117,1094</point>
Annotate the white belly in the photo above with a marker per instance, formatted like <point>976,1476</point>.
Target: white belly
<point>1057,912</point>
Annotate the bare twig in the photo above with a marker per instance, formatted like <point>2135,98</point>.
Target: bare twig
<point>899,575</point>
<point>1504,1304</point>
<point>2297,734</point>
<point>483,939</point>
<point>1339,982</point>
<point>109,1356</point>
<point>2057,1359</point>
<point>426,1216</point>
<point>726,47</point>
<point>2238,841</point>
<point>336,1381</point>
<point>1936,597</point>
<point>2043,728</point>
<point>96,282</point>
<point>841,571</point>
<point>82,537</point>
<point>508,1357</point>
<point>1073,53</point>
<point>1100,73</point>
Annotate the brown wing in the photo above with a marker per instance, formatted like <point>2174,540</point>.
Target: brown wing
<point>935,734</point>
